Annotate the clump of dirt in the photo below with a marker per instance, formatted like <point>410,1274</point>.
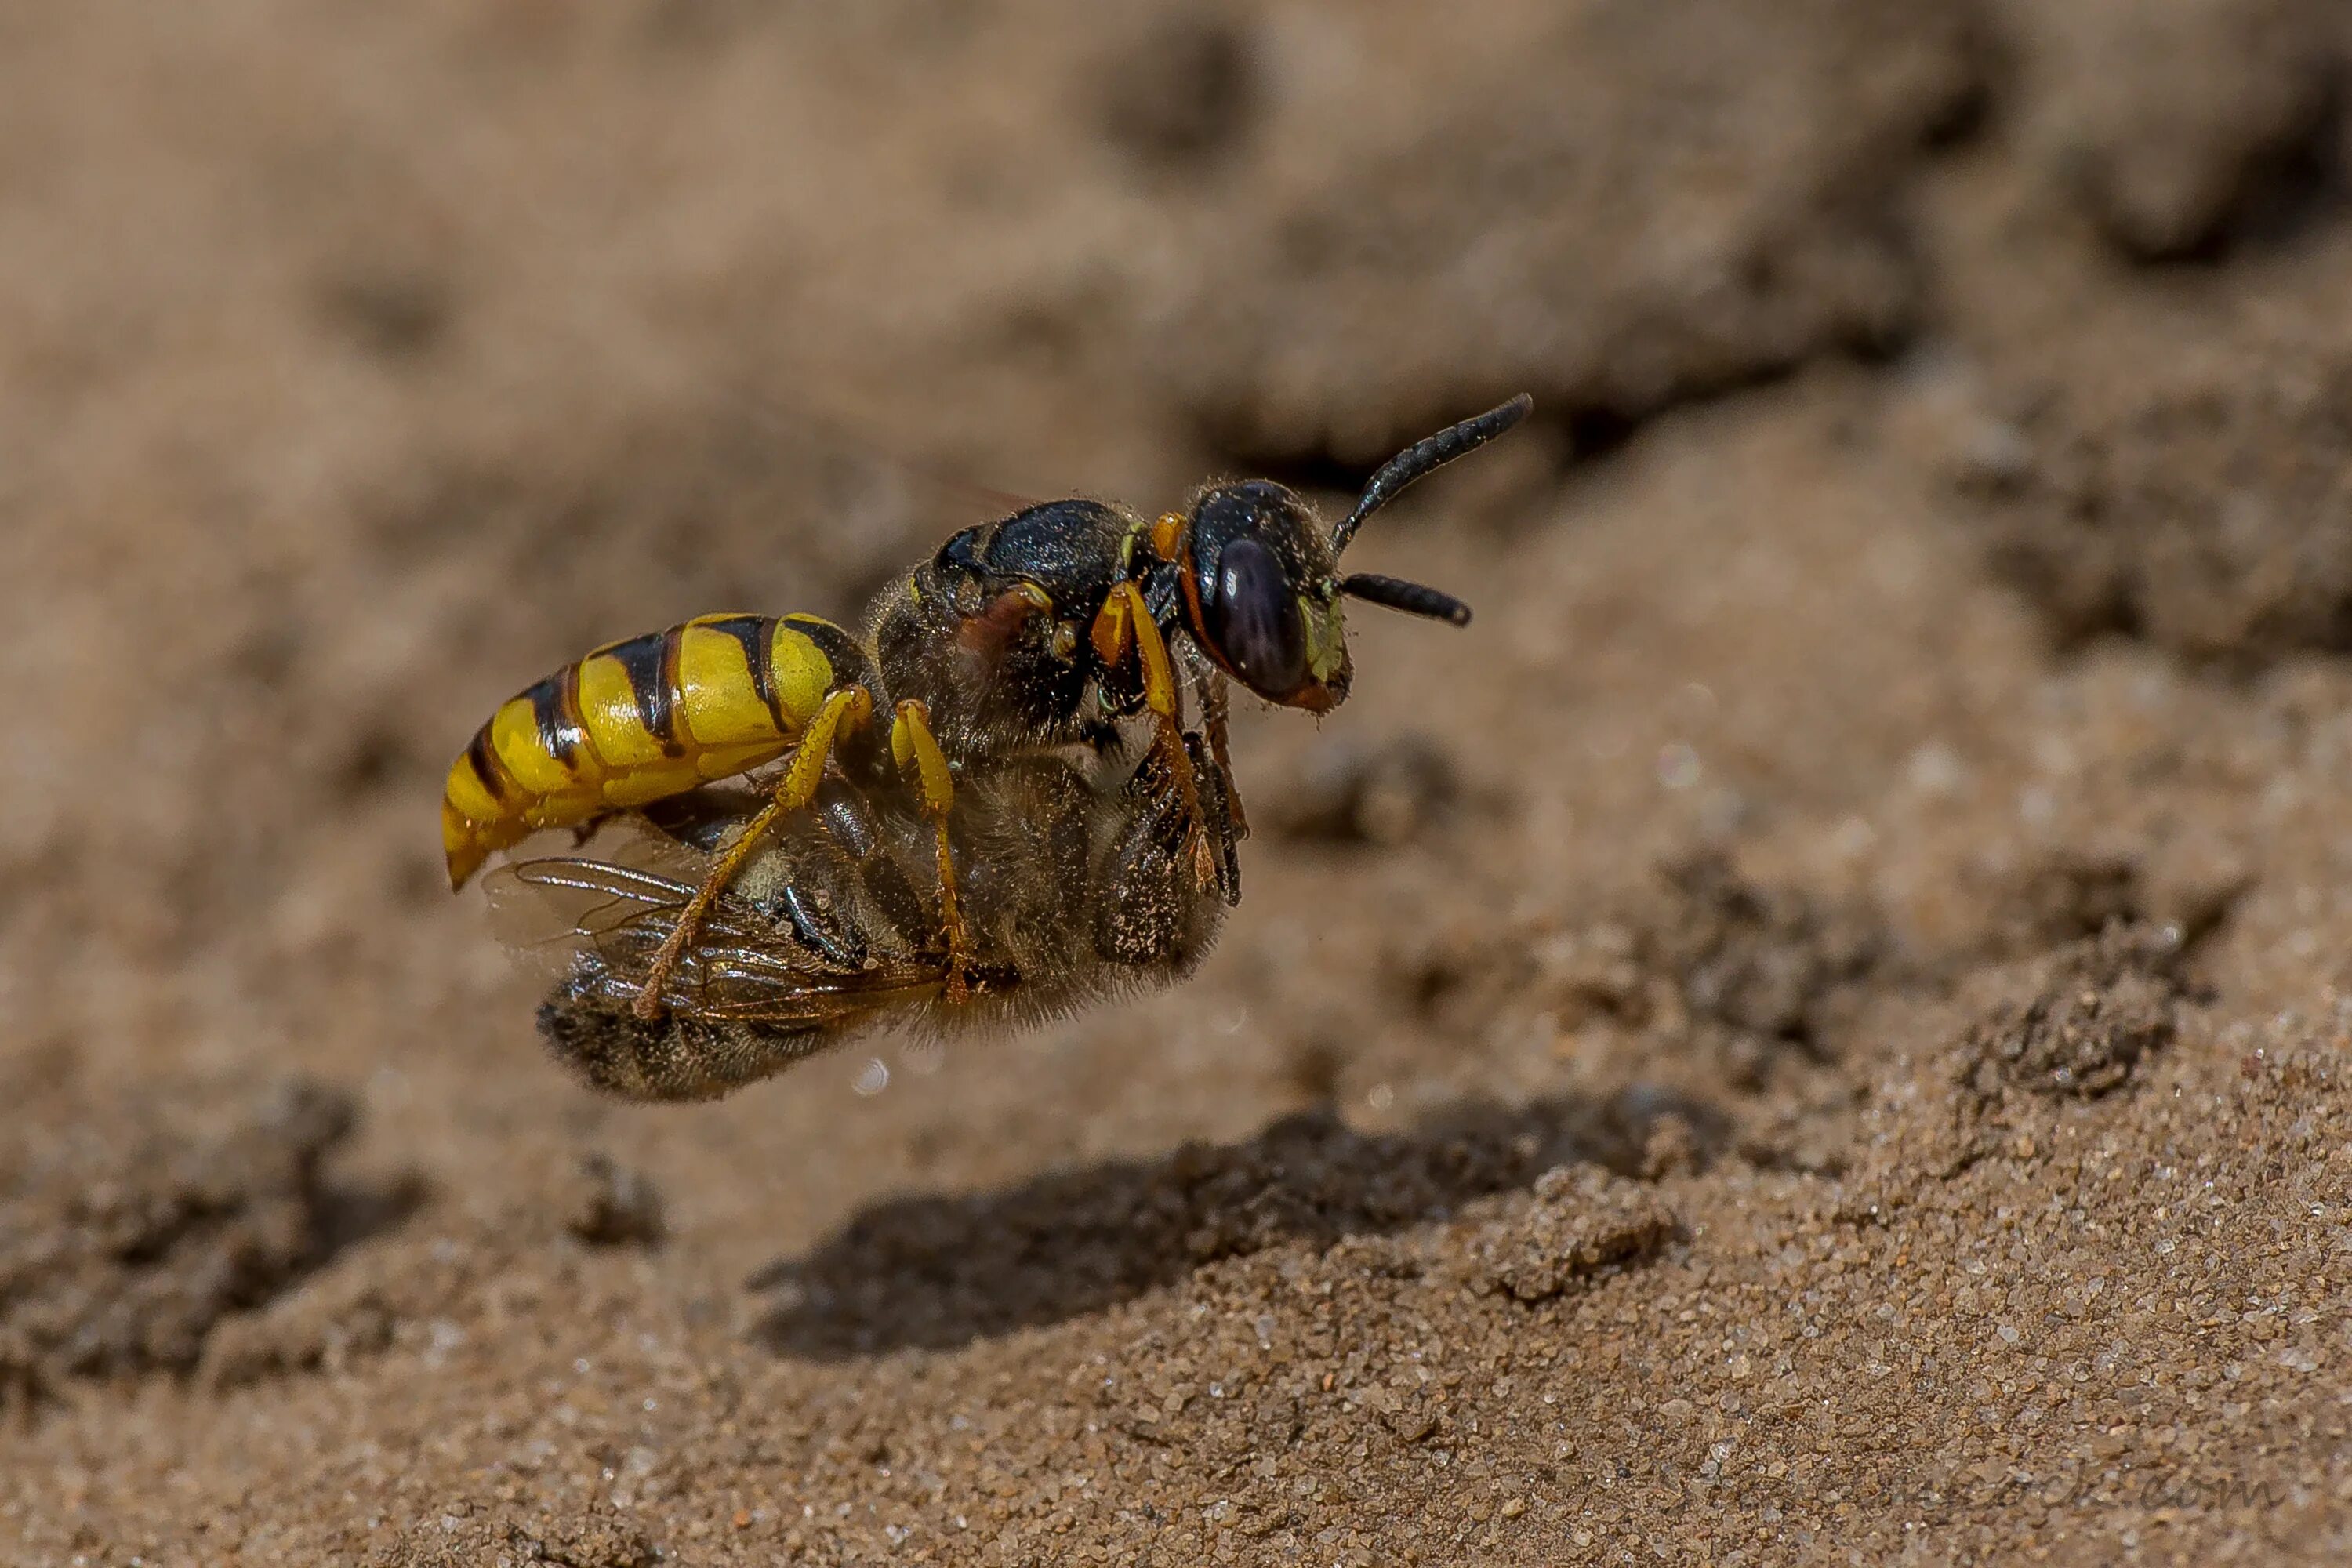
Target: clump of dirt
<point>1710,952</point>
<point>1658,200</point>
<point>2182,124</point>
<point>2073,894</point>
<point>307,1330</point>
<point>2209,514</point>
<point>465,1535</point>
<point>120,1251</point>
<point>2076,891</point>
<point>2099,1007</point>
<point>1719,1004</point>
<point>609,1206</point>
<point>1776,965</point>
<point>1573,1226</point>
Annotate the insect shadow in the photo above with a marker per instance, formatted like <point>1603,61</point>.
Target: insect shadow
<point>935,1271</point>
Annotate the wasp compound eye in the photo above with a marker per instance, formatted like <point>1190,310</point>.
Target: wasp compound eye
<point>1253,618</point>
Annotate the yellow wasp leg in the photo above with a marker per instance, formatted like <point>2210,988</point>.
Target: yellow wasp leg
<point>917,752</point>
<point>1123,626</point>
<point>850,706</point>
<point>1168,535</point>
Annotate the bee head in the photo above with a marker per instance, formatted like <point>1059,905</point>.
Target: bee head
<point>1261,581</point>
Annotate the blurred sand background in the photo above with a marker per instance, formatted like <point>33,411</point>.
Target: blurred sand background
<point>1814,1031</point>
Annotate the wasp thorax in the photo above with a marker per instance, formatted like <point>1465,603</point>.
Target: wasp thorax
<point>1263,592</point>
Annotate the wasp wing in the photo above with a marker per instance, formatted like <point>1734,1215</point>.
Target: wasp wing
<point>599,923</point>
<point>862,499</point>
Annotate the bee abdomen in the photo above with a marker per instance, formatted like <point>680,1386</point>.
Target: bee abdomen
<point>639,721</point>
<point>666,1059</point>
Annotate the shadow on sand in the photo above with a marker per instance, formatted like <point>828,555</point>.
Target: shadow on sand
<point>936,1271</point>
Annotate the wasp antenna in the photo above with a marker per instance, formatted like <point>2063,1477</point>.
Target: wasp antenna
<point>1412,598</point>
<point>1425,455</point>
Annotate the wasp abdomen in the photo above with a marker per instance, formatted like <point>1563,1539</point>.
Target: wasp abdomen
<point>639,721</point>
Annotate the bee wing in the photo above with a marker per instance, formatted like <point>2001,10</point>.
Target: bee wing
<point>740,967</point>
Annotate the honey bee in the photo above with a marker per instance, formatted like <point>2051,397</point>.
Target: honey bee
<point>991,808</point>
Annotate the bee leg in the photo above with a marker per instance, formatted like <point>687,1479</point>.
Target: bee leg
<point>1124,626</point>
<point>847,819</point>
<point>1214,708</point>
<point>918,753</point>
<point>851,705</point>
<point>1219,811</point>
<point>1142,901</point>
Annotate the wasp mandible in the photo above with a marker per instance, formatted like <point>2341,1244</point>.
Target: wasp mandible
<point>990,807</point>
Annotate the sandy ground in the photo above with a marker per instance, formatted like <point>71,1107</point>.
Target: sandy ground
<point>1815,1031</point>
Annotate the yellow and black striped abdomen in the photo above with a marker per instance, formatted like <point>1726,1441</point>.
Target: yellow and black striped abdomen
<point>639,721</point>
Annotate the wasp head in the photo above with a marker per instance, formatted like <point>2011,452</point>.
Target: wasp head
<point>1261,581</point>
<point>1262,590</point>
